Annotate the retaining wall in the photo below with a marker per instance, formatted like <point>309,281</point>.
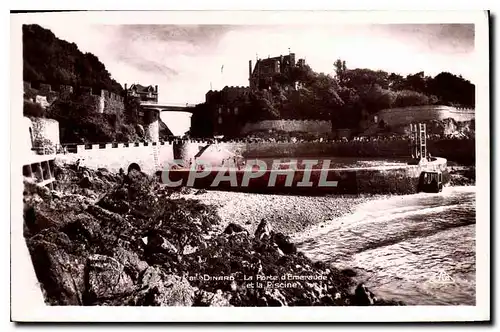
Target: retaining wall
<point>414,114</point>
<point>309,126</point>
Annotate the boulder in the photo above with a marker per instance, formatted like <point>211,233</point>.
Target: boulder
<point>163,289</point>
<point>263,230</point>
<point>363,296</point>
<point>284,243</point>
<point>61,274</point>
<point>234,228</point>
<point>106,279</point>
<point>157,242</point>
<point>84,228</point>
<point>131,262</point>
<point>114,204</point>
<point>275,298</point>
<point>200,192</point>
<point>209,299</point>
<point>85,182</point>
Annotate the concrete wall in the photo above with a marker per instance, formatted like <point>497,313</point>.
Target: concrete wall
<point>309,126</point>
<point>114,156</point>
<point>406,115</point>
<point>45,132</point>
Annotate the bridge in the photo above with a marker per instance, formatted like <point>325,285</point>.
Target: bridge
<point>177,116</point>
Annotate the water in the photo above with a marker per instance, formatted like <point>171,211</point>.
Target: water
<point>419,249</point>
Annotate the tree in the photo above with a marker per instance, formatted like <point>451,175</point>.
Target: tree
<point>79,122</point>
<point>340,69</point>
<point>416,82</point>
<point>452,90</point>
<point>407,98</point>
<point>51,60</point>
<point>362,78</point>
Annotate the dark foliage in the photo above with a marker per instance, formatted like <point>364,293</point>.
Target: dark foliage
<point>33,109</point>
<point>51,60</point>
<point>80,123</point>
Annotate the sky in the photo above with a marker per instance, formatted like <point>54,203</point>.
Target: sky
<point>186,61</point>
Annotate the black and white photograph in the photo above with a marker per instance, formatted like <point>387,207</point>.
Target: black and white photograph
<point>277,161</point>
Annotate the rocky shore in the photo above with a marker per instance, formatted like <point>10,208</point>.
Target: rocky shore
<point>123,239</point>
<point>462,175</point>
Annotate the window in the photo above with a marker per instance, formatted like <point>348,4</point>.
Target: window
<point>236,110</point>
<point>220,110</point>
<point>220,120</point>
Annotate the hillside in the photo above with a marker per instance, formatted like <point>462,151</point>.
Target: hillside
<point>355,93</point>
<point>51,60</point>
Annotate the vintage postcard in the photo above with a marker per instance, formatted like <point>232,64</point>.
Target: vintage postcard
<point>241,166</point>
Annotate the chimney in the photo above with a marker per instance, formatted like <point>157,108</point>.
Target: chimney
<point>156,88</point>
<point>249,69</point>
<point>125,86</point>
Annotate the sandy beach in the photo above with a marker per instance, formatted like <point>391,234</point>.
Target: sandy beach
<point>292,215</point>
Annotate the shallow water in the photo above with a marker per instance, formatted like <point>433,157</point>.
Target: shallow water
<point>419,249</point>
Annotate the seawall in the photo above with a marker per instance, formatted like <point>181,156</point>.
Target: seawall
<point>155,156</point>
<point>403,179</point>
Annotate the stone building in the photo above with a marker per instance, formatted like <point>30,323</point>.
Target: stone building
<point>265,72</point>
<point>224,111</point>
<point>147,94</point>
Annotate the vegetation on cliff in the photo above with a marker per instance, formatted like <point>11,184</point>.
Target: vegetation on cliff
<point>48,59</point>
<point>352,94</point>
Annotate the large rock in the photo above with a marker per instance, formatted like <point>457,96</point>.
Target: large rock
<point>234,228</point>
<point>131,262</point>
<point>284,243</point>
<point>106,278</point>
<point>60,273</point>
<point>274,298</point>
<point>163,289</point>
<point>363,296</point>
<point>157,242</point>
<point>263,231</point>
<point>209,299</point>
<point>84,228</point>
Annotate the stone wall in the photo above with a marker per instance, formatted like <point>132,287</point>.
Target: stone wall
<point>309,126</point>
<point>103,101</point>
<point>414,114</point>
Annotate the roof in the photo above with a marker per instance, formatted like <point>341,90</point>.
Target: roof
<point>141,88</point>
